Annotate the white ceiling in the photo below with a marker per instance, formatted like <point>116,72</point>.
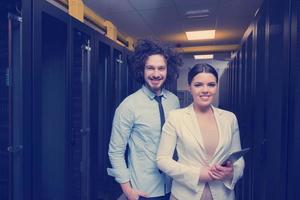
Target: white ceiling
<point>166,20</point>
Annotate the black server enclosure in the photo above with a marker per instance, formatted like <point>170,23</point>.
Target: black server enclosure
<point>15,118</point>
<point>261,86</point>
<point>61,81</point>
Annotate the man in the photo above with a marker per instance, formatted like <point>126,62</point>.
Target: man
<point>138,121</point>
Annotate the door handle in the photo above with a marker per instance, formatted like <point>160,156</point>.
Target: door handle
<point>14,149</point>
<point>85,131</point>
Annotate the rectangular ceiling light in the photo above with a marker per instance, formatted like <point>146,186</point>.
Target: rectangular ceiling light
<point>208,56</point>
<point>200,35</point>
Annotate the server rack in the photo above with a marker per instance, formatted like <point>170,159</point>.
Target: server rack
<point>70,79</point>
<point>268,69</point>
<point>293,147</point>
<point>92,71</point>
<point>15,121</point>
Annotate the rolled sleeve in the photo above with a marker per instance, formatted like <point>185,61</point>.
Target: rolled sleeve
<point>238,166</point>
<point>121,175</point>
<point>121,130</point>
<point>237,174</point>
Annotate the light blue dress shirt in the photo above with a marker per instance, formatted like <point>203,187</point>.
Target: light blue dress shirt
<point>137,123</point>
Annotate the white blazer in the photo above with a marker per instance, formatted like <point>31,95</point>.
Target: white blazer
<point>181,130</point>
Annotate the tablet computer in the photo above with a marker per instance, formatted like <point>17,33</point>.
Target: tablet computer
<point>235,156</point>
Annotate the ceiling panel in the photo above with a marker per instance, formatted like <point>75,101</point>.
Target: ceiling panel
<point>167,20</point>
<point>239,8</point>
<point>104,7</point>
<point>150,4</point>
<point>161,15</point>
<point>234,26</point>
<point>192,5</point>
<point>131,23</point>
<point>197,3</point>
<point>160,22</point>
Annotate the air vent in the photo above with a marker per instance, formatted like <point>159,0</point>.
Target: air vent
<point>197,14</point>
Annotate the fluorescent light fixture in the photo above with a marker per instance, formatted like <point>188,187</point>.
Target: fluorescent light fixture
<point>208,56</point>
<point>200,35</point>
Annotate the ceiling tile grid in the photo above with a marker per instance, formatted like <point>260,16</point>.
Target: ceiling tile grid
<point>169,19</point>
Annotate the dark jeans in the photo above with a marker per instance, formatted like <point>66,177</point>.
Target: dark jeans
<point>166,197</point>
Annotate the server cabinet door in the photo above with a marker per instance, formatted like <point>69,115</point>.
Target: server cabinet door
<point>4,113</point>
<point>11,154</point>
<point>103,116</point>
<point>15,106</point>
<point>81,51</point>
<point>277,76</point>
<point>50,111</point>
<point>86,83</point>
<point>53,113</point>
<point>259,145</point>
<point>293,161</point>
<point>248,118</point>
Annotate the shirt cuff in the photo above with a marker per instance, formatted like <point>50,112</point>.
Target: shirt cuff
<point>230,183</point>
<point>192,178</point>
<point>121,175</point>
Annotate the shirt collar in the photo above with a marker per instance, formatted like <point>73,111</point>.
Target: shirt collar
<point>151,94</point>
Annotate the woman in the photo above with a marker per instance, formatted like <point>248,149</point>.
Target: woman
<point>203,136</point>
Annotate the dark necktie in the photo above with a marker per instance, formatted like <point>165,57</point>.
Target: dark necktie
<point>161,110</point>
<point>162,121</point>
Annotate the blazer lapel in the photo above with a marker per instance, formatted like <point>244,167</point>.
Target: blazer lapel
<point>194,128</point>
<point>218,116</point>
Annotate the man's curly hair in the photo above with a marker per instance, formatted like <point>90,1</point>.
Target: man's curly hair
<point>146,48</point>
